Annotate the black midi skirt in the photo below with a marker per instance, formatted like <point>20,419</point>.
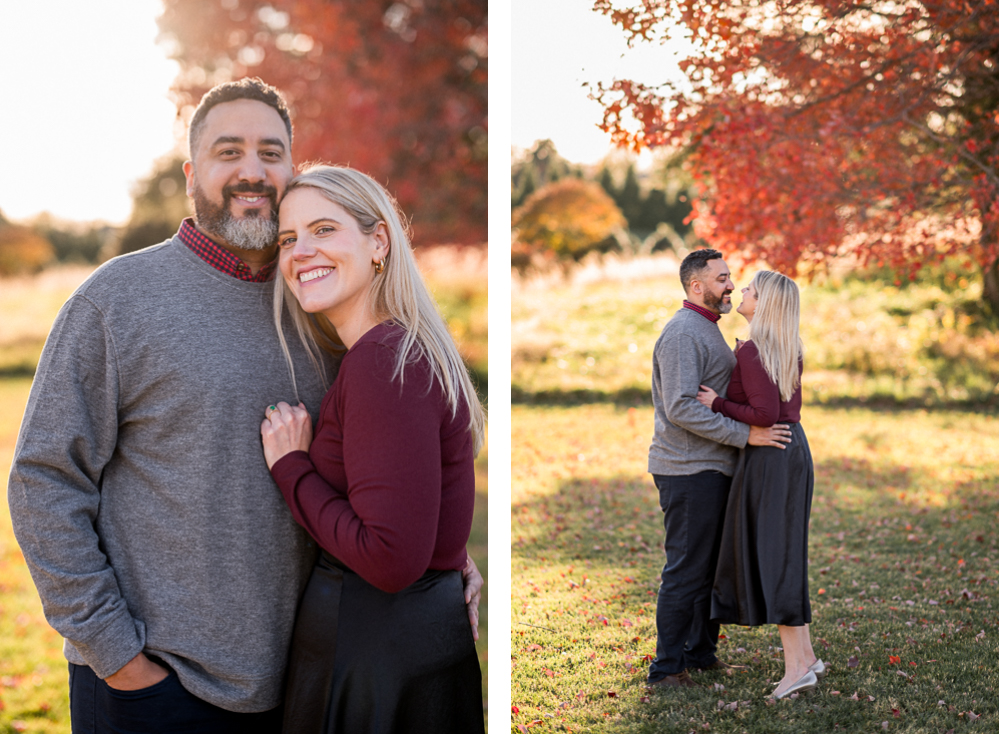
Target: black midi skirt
<point>368,662</point>
<point>761,576</point>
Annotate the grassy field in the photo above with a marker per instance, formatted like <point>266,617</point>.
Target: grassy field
<point>33,675</point>
<point>903,579</point>
<point>900,389</point>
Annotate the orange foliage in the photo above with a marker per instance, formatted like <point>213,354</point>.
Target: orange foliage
<point>566,219</point>
<point>819,127</point>
<point>397,90</point>
<point>23,251</point>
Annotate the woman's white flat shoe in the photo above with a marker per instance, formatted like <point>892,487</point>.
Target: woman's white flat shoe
<point>819,669</point>
<point>805,683</point>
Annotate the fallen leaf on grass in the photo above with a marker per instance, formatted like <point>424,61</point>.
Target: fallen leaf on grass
<point>971,716</point>
<point>515,710</point>
<point>852,662</point>
<point>885,724</point>
<point>854,697</point>
<point>893,659</point>
<point>612,694</point>
<point>895,713</point>
<point>644,699</point>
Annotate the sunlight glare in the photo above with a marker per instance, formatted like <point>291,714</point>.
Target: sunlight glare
<point>87,107</point>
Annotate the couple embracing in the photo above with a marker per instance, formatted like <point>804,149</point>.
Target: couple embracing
<point>245,471</point>
<point>735,476</point>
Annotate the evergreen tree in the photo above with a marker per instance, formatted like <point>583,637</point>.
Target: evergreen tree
<point>630,198</point>
<point>654,209</point>
<point>607,182</point>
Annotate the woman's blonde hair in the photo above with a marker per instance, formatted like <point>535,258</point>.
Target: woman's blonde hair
<point>774,329</point>
<point>397,294</point>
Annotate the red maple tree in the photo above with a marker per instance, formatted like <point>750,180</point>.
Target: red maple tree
<point>395,89</point>
<point>827,127</point>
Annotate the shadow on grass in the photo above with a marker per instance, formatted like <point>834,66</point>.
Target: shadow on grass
<point>17,370</point>
<point>591,518</point>
<point>634,397</point>
<point>886,585</point>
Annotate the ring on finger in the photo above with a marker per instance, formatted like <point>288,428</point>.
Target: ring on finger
<point>271,409</point>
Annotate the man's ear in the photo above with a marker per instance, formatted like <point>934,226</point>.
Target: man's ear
<point>189,177</point>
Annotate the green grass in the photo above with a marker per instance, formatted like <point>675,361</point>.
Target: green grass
<point>866,343</point>
<point>33,673</point>
<point>903,550</point>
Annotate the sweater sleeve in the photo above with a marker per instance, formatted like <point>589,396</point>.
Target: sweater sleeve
<point>681,363</point>
<point>763,399</point>
<point>68,435</point>
<point>385,526</point>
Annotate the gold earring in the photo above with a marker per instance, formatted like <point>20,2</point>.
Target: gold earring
<point>380,266</point>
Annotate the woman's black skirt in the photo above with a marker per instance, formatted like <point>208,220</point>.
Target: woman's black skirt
<point>368,662</point>
<point>761,576</point>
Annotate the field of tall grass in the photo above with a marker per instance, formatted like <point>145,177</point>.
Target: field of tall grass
<point>901,414</point>
<point>33,673</point>
<point>866,341</point>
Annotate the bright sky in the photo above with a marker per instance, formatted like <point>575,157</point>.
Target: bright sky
<point>85,110</point>
<point>557,46</point>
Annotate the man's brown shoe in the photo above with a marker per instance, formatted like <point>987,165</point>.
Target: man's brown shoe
<point>681,680</point>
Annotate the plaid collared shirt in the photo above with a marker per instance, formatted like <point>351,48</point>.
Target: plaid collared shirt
<point>219,257</point>
<point>713,317</point>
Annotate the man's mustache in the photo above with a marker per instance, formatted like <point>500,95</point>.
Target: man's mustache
<point>246,188</point>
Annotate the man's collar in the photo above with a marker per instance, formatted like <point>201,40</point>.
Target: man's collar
<point>713,317</point>
<point>219,257</point>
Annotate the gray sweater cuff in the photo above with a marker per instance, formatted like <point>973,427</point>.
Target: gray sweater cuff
<point>108,652</point>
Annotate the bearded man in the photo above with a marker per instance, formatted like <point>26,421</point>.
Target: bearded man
<point>692,458</point>
<point>162,550</point>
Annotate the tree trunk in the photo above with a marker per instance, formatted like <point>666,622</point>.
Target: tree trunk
<point>990,296</point>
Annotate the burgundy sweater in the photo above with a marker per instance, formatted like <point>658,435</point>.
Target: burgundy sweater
<point>752,397</point>
<point>388,484</point>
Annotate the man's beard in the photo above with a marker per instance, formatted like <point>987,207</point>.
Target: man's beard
<point>251,232</point>
<point>715,303</point>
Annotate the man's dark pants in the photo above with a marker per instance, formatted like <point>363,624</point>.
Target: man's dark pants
<point>694,508</point>
<point>165,708</point>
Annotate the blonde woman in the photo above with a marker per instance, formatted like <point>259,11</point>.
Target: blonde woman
<point>761,576</point>
<point>386,485</point>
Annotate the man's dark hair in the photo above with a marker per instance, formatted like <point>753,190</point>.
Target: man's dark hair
<point>246,88</point>
<point>694,263</point>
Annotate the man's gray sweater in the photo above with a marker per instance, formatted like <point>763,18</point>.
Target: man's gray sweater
<point>688,437</point>
<point>139,492</point>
